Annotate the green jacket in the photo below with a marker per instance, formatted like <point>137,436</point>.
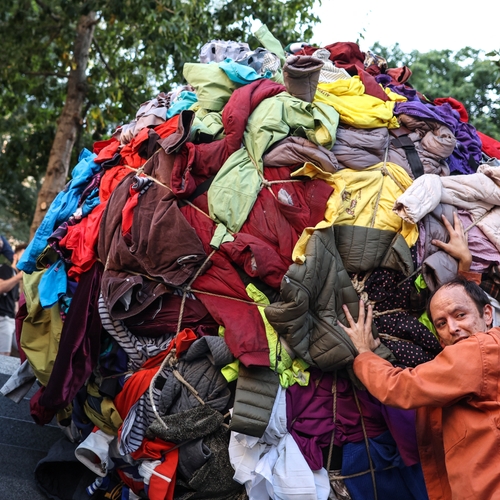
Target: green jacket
<point>234,190</point>
<point>313,294</point>
<point>41,330</point>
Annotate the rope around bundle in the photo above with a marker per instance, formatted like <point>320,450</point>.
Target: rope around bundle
<point>171,359</point>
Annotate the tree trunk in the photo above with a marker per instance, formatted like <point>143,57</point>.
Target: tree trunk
<point>68,123</point>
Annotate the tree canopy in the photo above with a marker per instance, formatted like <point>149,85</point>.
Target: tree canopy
<point>137,48</point>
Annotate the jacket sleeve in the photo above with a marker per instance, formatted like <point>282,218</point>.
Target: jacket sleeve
<point>455,373</point>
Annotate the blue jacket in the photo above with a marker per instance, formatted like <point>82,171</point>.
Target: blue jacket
<point>63,206</point>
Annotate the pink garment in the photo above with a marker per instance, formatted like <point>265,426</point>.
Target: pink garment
<point>482,249</point>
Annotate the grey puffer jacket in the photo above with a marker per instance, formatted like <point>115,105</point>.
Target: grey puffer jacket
<point>438,267</point>
<point>365,248</point>
<point>362,148</point>
<point>433,141</point>
<point>313,294</point>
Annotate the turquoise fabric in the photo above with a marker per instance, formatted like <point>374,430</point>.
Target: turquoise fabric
<point>54,284</point>
<point>60,210</point>
<point>185,100</point>
<point>239,73</point>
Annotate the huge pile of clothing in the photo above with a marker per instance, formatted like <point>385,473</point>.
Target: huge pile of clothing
<point>184,291</point>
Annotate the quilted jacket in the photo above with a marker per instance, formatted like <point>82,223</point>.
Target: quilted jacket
<point>313,294</point>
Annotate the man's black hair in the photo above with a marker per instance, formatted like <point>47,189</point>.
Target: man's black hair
<point>472,289</point>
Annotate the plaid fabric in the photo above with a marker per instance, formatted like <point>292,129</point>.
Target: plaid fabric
<point>490,281</point>
<point>329,72</point>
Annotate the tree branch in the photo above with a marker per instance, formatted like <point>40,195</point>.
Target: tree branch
<point>49,11</point>
<point>127,91</point>
<point>101,57</point>
<point>45,73</point>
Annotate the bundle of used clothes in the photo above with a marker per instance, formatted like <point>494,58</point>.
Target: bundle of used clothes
<point>183,294</point>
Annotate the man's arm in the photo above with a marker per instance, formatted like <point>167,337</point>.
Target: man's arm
<point>8,284</point>
<point>456,372</point>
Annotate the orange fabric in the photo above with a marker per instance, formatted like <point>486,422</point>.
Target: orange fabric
<point>471,276</point>
<point>458,417</point>
<point>167,128</point>
<point>110,180</point>
<point>130,152</point>
<point>105,150</point>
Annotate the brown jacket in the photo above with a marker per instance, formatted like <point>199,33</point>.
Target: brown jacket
<point>457,396</point>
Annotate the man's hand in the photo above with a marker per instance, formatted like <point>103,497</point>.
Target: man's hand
<point>457,246</point>
<point>361,332</point>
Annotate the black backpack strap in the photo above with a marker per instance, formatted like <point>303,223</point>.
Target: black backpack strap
<point>200,189</point>
<point>402,141</point>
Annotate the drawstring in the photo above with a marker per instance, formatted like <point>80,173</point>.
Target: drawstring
<point>171,358</point>
<point>334,392</point>
<point>367,444</point>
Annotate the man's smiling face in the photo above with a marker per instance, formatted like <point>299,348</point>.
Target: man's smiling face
<point>456,316</point>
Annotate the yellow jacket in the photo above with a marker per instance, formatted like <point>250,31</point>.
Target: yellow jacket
<point>361,198</point>
<point>357,108</point>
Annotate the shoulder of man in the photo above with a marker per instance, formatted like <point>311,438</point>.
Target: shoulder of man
<point>494,332</point>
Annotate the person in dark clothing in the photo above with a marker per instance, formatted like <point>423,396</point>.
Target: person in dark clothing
<point>6,249</point>
<point>10,277</point>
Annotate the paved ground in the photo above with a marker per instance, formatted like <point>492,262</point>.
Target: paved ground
<point>22,443</point>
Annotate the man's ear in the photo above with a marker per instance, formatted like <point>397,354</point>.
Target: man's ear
<point>488,315</point>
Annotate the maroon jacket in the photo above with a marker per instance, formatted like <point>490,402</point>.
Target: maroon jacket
<point>197,162</point>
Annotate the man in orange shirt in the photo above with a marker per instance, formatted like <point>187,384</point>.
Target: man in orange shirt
<point>457,394</point>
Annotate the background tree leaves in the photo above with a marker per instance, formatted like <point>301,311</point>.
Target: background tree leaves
<point>139,49</point>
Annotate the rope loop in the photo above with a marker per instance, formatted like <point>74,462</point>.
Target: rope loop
<point>367,445</point>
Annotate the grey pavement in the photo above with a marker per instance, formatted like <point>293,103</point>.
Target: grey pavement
<point>22,442</point>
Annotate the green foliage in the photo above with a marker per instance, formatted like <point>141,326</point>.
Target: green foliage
<point>495,59</point>
<point>464,75</point>
<point>139,48</point>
